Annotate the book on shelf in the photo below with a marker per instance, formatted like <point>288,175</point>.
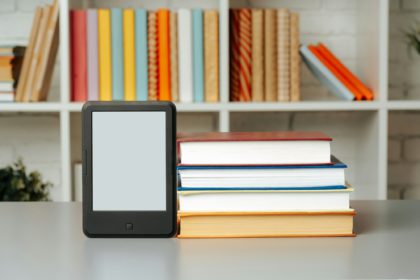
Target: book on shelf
<point>47,55</point>
<point>117,54</point>
<point>246,184</point>
<point>92,55</point>
<point>164,63</point>
<point>146,55</point>
<point>211,56</point>
<point>39,59</point>
<point>243,148</point>
<point>257,82</point>
<point>333,74</point>
<point>270,55</point>
<point>78,55</point>
<point>104,55</point>
<point>266,224</point>
<point>141,54</point>
<point>345,72</point>
<point>185,57</point>
<point>129,55</point>
<point>198,55</point>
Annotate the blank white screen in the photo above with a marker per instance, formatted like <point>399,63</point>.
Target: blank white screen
<point>128,161</point>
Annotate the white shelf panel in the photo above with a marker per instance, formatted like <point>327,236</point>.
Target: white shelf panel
<point>403,105</point>
<point>54,107</point>
<point>264,106</point>
<point>303,106</point>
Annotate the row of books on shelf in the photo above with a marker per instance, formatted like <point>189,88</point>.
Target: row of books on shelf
<point>134,54</point>
<point>264,184</point>
<point>264,55</point>
<point>30,78</point>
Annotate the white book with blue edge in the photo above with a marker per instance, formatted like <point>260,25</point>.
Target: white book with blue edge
<point>324,75</point>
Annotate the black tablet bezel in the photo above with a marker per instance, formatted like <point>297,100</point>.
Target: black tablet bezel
<point>114,223</point>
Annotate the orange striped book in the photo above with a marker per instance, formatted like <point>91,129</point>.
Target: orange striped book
<point>164,55</point>
<point>152,57</point>
<point>234,56</point>
<point>343,80</point>
<point>366,92</point>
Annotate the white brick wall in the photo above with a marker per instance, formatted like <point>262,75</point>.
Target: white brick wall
<point>404,155</point>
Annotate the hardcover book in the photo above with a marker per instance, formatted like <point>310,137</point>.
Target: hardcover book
<point>254,148</point>
<point>266,224</point>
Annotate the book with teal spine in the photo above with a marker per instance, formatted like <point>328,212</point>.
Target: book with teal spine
<point>117,54</point>
<point>198,55</point>
<point>141,54</point>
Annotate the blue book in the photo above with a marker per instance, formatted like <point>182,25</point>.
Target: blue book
<point>198,55</point>
<point>141,54</point>
<point>324,75</point>
<point>260,177</point>
<point>117,54</point>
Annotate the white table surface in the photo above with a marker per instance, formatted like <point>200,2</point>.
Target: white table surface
<point>45,241</point>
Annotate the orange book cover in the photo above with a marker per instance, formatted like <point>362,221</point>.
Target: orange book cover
<point>358,95</point>
<point>366,92</point>
<point>164,56</point>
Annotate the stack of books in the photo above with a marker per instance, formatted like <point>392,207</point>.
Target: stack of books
<point>262,184</point>
<point>38,63</point>
<point>264,55</point>
<point>11,58</point>
<point>333,74</point>
<point>134,54</point>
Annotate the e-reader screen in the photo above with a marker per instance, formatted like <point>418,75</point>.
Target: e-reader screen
<point>128,161</point>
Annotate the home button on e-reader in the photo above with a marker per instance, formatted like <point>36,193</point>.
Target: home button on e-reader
<point>129,226</point>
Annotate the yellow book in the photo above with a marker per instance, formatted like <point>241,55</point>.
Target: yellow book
<point>129,55</point>
<point>266,224</point>
<point>104,42</point>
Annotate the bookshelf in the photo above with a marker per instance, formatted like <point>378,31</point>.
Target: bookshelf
<point>360,129</point>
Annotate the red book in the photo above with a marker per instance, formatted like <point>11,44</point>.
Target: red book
<point>78,50</point>
<point>254,148</point>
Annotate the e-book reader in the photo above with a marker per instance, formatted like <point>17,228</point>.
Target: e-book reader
<point>129,161</point>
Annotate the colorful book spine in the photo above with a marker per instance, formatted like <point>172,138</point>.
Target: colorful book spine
<point>198,56</point>
<point>211,56</point>
<point>257,55</point>
<point>104,42</point>
<point>45,67</point>
<point>294,58</point>
<point>173,38</point>
<point>92,55</point>
<point>270,55</point>
<point>185,56</point>
<point>245,53</point>
<point>234,56</point>
<point>366,92</point>
<point>152,65</point>
<point>164,63</point>
<point>283,57</point>
<point>141,54</point>
<point>357,95</point>
<point>78,55</point>
<point>324,75</point>
<point>28,55</point>
<point>117,50</point>
<point>129,56</point>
